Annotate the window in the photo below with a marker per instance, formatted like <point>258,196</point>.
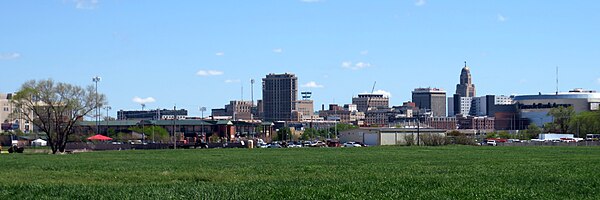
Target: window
<point>594,106</point>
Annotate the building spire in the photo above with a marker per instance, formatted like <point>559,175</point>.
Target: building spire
<point>465,63</point>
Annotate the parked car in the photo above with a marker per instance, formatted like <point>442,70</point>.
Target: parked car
<point>274,145</point>
<point>492,143</point>
<point>318,144</point>
<point>294,145</point>
<point>307,144</point>
<point>262,145</point>
<point>351,144</point>
<point>361,144</point>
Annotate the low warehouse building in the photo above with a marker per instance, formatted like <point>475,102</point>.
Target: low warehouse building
<point>388,136</point>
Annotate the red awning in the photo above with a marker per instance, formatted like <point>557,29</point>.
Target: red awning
<point>99,137</point>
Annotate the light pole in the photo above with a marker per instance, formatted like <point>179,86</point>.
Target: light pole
<point>96,80</point>
<point>202,109</point>
<point>107,108</point>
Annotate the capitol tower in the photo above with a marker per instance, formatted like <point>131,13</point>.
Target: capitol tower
<point>466,88</point>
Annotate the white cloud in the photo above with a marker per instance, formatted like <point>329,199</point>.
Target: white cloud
<point>9,56</point>
<point>86,4</point>
<point>312,84</point>
<point>501,18</point>
<point>365,52</point>
<point>361,65</point>
<point>278,50</point>
<point>385,93</point>
<point>420,3</point>
<point>232,81</point>
<point>346,64</point>
<point>220,54</point>
<point>355,66</point>
<point>310,1</point>
<point>143,100</point>
<point>209,73</point>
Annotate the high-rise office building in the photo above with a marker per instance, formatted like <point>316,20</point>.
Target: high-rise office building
<point>477,106</point>
<point>365,101</point>
<point>432,99</point>
<point>465,88</point>
<point>280,93</point>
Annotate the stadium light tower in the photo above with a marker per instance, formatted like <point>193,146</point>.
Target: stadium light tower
<point>96,79</point>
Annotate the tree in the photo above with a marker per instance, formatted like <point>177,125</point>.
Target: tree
<point>283,133</point>
<point>532,132</point>
<point>341,127</point>
<point>56,107</point>
<point>309,133</point>
<point>561,116</point>
<point>585,123</point>
<point>458,137</point>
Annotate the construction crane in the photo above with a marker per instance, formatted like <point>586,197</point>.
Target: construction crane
<point>369,98</point>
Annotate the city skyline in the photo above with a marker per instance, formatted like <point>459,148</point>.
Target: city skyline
<point>201,53</point>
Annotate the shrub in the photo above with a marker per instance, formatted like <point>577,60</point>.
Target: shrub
<point>433,140</point>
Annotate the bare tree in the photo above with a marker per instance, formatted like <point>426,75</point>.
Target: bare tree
<point>55,108</point>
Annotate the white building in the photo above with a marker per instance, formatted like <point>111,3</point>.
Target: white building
<point>477,106</point>
<point>463,108</point>
<point>387,136</point>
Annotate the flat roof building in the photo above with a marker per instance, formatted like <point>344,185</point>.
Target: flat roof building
<point>151,114</point>
<point>364,102</point>
<point>432,99</point>
<point>280,93</point>
<point>536,107</point>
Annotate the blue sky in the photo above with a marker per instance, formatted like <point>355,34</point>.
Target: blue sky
<point>200,53</point>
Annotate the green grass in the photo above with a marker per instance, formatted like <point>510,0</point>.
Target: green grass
<point>453,172</point>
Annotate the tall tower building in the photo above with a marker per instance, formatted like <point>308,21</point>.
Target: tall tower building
<point>280,93</point>
<point>465,88</point>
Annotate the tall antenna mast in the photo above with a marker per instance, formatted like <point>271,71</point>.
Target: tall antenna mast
<point>556,80</point>
<point>242,92</point>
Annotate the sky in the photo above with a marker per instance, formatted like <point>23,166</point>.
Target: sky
<point>201,53</point>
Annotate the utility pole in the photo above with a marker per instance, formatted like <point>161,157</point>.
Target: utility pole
<point>107,109</point>
<point>419,124</point>
<point>202,109</point>
<point>96,79</point>
<point>174,135</point>
<point>252,107</point>
<point>556,80</point>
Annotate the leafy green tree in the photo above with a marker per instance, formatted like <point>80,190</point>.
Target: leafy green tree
<point>561,117</point>
<point>585,123</point>
<point>309,133</point>
<point>504,135</point>
<point>492,135</point>
<point>55,108</point>
<point>340,128</point>
<point>283,133</point>
<point>532,132</point>
<point>323,133</point>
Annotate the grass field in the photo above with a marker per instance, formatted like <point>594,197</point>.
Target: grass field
<point>452,172</point>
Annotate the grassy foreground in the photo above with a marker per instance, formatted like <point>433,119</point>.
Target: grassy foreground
<point>453,172</point>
